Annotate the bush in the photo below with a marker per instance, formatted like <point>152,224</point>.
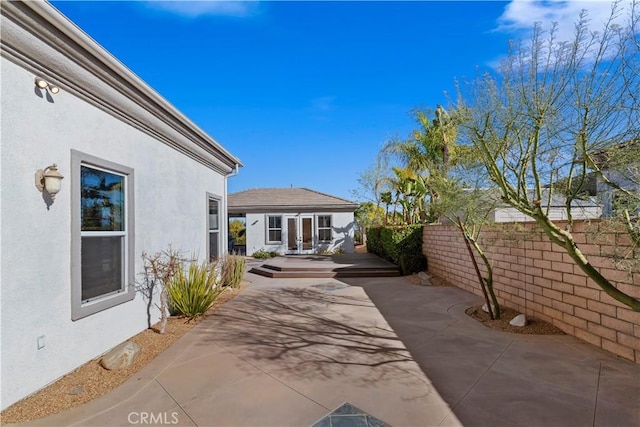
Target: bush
<point>400,245</point>
<point>262,254</point>
<point>193,292</point>
<point>232,271</point>
<point>336,251</point>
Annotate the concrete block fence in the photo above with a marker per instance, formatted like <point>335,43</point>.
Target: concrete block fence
<point>539,279</point>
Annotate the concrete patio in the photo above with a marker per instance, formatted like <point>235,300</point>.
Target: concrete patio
<point>288,352</point>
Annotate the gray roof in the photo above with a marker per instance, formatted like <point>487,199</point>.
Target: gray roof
<point>286,199</point>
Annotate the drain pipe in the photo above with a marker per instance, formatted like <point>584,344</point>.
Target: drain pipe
<point>234,172</point>
<point>231,174</point>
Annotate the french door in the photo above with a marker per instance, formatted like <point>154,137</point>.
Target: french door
<point>300,234</point>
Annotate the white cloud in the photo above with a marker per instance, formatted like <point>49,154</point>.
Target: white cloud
<point>322,104</point>
<point>520,15</point>
<point>197,8</point>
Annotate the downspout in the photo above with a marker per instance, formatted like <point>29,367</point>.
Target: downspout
<point>231,174</point>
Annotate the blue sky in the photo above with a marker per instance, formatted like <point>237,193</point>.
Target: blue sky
<point>305,93</point>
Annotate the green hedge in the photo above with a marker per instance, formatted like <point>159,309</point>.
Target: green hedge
<point>400,245</point>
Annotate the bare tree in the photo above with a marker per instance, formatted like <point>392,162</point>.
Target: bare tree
<point>159,269</point>
<point>549,110</point>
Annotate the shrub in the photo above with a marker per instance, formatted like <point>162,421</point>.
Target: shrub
<point>194,291</point>
<point>262,254</point>
<point>400,245</point>
<point>336,251</point>
<point>232,271</point>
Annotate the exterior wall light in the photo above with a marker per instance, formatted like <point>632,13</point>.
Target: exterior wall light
<point>43,84</point>
<point>49,180</point>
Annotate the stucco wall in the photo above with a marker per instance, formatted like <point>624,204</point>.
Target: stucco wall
<point>342,232</point>
<point>170,208</point>
<point>540,279</point>
<point>555,214</point>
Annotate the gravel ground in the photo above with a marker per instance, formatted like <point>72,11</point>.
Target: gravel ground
<point>91,380</point>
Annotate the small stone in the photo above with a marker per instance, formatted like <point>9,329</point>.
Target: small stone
<point>424,276</point>
<point>520,320</point>
<point>76,391</point>
<point>485,308</point>
<point>120,356</point>
<point>425,279</point>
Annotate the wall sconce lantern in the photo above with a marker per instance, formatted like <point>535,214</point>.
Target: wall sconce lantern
<point>43,84</point>
<point>49,180</point>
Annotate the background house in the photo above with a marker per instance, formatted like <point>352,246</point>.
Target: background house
<point>580,209</point>
<point>138,176</point>
<point>294,220</point>
<point>621,165</point>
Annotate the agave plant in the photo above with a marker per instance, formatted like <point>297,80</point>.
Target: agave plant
<point>193,292</point>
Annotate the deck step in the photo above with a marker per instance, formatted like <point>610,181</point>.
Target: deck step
<point>267,270</point>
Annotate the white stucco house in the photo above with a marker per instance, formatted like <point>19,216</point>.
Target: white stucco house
<point>294,220</point>
<point>621,165</point>
<point>138,176</point>
<point>557,211</point>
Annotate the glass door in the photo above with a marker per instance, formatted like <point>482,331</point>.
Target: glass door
<point>300,235</point>
<point>307,235</point>
<point>292,235</point>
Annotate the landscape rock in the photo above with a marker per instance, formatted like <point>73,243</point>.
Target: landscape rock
<point>120,356</point>
<point>425,279</point>
<point>485,308</point>
<point>76,391</point>
<point>520,320</point>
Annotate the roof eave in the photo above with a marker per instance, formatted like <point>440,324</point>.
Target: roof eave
<point>47,24</point>
<point>297,208</point>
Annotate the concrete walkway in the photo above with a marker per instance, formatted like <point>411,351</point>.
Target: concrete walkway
<point>287,352</point>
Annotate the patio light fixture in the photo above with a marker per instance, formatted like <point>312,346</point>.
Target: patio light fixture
<point>43,84</point>
<point>49,180</point>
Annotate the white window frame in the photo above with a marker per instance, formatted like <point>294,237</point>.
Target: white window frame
<point>268,229</point>
<point>330,228</point>
<point>80,308</point>
<point>221,250</point>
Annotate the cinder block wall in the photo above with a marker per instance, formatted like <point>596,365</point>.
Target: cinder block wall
<point>538,278</point>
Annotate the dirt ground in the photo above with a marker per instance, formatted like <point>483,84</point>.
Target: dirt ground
<point>91,380</point>
<point>533,326</point>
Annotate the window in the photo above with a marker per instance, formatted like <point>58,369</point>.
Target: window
<point>214,227</point>
<point>274,229</point>
<point>324,228</point>
<point>102,246</point>
<point>624,202</point>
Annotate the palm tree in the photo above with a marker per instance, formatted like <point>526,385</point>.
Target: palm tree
<point>430,151</point>
<point>385,197</point>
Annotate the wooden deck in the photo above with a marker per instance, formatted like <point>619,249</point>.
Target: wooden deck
<point>318,266</point>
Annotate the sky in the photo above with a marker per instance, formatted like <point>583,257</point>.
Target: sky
<point>306,93</point>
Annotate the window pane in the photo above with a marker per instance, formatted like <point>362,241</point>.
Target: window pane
<point>275,222</point>
<point>324,234</point>
<point>307,233</point>
<point>102,200</point>
<point>213,214</point>
<point>292,234</point>
<point>214,251</point>
<point>324,221</point>
<point>275,235</point>
<point>101,266</point>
